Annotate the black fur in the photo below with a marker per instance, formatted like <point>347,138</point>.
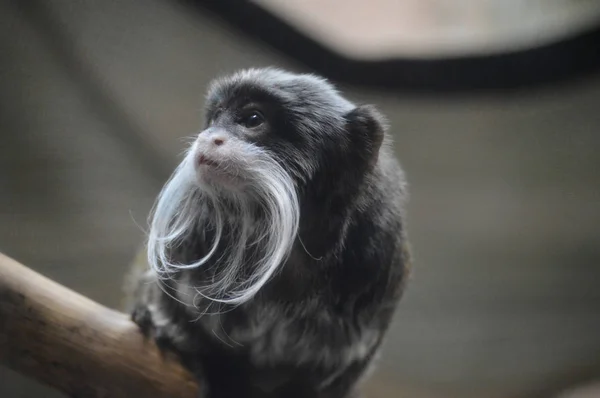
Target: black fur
<point>312,331</point>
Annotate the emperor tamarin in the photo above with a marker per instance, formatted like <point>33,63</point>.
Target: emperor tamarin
<point>277,249</point>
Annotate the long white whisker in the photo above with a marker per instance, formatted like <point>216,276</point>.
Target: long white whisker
<point>184,210</point>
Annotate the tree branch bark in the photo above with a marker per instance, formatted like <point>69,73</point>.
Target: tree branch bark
<point>77,346</point>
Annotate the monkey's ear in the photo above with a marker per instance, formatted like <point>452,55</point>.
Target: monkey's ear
<point>367,126</point>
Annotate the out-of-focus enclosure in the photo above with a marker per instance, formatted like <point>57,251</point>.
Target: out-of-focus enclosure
<point>96,98</point>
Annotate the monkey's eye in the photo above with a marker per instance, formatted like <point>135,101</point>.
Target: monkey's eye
<point>253,119</point>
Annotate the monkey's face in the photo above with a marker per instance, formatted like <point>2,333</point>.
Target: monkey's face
<point>227,154</point>
<point>259,119</point>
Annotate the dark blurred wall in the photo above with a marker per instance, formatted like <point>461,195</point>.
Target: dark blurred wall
<point>96,98</point>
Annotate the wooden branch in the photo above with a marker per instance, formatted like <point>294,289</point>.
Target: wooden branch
<point>85,350</point>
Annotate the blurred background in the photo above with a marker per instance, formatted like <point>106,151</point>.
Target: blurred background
<point>96,98</point>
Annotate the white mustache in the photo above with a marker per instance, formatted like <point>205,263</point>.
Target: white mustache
<point>183,206</point>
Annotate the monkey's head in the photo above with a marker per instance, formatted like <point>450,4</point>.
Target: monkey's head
<point>270,137</point>
<point>299,122</point>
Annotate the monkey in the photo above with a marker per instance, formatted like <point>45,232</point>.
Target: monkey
<point>277,251</point>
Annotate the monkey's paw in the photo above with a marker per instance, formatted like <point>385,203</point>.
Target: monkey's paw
<point>145,319</point>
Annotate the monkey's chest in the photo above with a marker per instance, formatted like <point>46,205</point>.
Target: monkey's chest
<point>236,331</point>
<point>276,356</point>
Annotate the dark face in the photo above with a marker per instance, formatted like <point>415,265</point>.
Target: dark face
<point>298,123</point>
<point>251,118</point>
<point>246,131</point>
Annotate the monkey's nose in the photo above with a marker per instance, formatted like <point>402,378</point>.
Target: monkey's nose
<point>218,141</point>
<point>211,138</point>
